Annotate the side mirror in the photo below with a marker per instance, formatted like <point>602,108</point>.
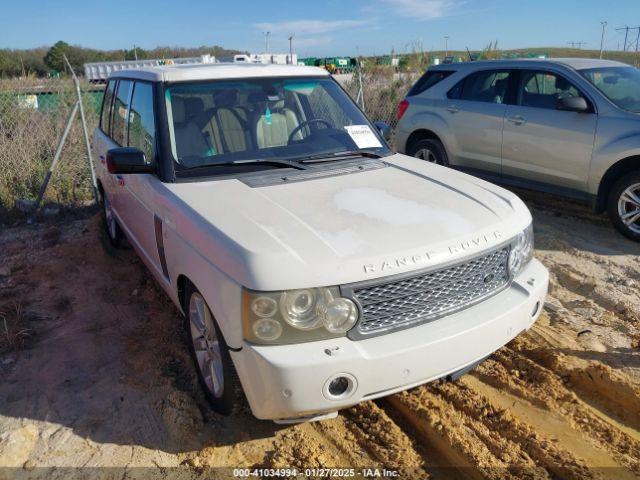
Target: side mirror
<point>384,129</point>
<point>128,160</point>
<point>573,104</point>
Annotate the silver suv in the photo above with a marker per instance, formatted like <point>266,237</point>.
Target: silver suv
<point>567,126</point>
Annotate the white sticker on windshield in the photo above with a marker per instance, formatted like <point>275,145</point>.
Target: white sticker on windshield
<point>363,136</point>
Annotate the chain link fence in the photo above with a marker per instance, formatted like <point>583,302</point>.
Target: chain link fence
<point>33,113</point>
<point>378,90</point>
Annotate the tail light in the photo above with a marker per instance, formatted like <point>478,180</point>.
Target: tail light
<point>402,107</point>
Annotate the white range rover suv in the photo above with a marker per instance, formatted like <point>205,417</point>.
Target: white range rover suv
<point>314,267</point>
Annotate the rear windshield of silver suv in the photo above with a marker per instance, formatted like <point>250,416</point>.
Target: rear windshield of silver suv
<point>428,80</point>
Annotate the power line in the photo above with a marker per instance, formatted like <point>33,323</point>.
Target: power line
<point>626,30</point>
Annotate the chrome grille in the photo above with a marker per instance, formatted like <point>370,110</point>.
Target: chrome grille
<point>429,296</point>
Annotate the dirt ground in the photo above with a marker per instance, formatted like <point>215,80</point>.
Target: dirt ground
<point>94,372</point>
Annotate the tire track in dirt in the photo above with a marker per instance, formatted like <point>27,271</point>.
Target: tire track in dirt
<point>474,449</point>
<point>517,375</point>
<point>363,437</point>
<point>384,439</point>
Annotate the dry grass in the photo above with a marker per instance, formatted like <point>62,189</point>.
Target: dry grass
<point>15,333</point>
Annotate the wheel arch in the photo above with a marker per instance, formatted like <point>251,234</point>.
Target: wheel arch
<point>100,189</point>
<point>181,289</point>
<point>613,173</point>
<point>422,134</point>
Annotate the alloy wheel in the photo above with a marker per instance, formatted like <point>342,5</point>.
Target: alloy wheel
<point>629,207</point>
<point>426,154</point>
<point>206,345</point>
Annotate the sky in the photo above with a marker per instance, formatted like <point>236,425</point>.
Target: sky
<point>321,27</point>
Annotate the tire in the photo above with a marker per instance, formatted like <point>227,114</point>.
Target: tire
<point>624,205</point>
<point>112,229</point>
<point>430,150</point>
<point>210,353</point>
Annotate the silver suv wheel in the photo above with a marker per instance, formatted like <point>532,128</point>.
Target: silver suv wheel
<point>623,205</point>
<point>426,154</point>
<point>629,207</point>
<point>430,150</point>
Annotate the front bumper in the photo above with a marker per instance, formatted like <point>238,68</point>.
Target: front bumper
<point>288,381</point>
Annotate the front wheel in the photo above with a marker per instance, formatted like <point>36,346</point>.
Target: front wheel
<point>210,353</point>
<point>111,227</point>
<point>624,205</point>
<point>430,150</point>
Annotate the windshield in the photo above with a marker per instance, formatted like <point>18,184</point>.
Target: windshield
<point>621,85</point>
<point>265,119</point>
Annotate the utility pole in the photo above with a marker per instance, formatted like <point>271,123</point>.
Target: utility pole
<point>626,34</point>
<point>626,37</point>
<point>135,53</point>
<point>604,24</point>
<point>266,41</point>
<point>291,48</point>
<point>446,45</point>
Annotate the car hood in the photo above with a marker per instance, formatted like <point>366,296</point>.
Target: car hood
<point>405,216</point>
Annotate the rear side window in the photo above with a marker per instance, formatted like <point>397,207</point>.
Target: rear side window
<point>142,130</point>
<point>428,80</point>
<point>120,110</point>
<point>487,86</point>
<point>107,101</point>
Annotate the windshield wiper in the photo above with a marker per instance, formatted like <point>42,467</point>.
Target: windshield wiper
<point>330,157</point>
<point>274,162</point>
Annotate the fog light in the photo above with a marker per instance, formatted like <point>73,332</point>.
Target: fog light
<point>340,387</point>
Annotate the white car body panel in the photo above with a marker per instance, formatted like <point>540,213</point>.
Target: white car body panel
<point>339,231</point>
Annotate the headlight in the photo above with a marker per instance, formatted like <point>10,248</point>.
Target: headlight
<point>293,316</point>
<point>521,251</point>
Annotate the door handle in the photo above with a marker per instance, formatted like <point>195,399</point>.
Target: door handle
<point>453,109</point>
<point>517,120</point>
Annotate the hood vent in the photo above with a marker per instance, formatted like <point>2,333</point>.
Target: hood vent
<point>314,171</point>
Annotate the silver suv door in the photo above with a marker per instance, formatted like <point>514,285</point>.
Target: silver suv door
<point>540,142</point>
<point>475,110</point>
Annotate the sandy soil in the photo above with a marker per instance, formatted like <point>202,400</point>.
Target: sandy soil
<point>98,375</point>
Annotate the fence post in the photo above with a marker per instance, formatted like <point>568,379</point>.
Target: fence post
<point>56,157</point>
<point>360,89</point>
<point>94,184</point>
